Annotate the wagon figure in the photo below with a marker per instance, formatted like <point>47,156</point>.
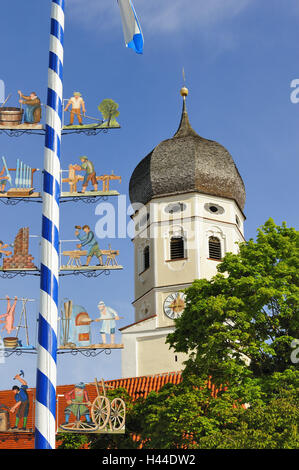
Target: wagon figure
<point>102,415</point>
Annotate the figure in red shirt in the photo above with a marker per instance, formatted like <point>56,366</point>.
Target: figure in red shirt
<point>78,403</point>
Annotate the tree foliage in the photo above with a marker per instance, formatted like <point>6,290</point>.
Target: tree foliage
<point>190,416</point>
<point>109,109</point>
<point>237,329</point>
<point>248,311</point>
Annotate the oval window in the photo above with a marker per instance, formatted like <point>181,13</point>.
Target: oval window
<point>214,208</point>
<point>175,207</point>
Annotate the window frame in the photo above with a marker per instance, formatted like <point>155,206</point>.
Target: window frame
<point>214,248</point>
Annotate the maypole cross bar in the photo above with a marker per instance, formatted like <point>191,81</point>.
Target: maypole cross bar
<point>47,329</point>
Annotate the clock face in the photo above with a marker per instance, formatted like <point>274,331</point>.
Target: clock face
<point>174,305</point>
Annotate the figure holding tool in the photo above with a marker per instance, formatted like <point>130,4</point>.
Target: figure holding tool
<point>33,109</point>
<point>77,103</point>
<point>78,404</point>
<point>22,401</point>
<point>3,250</point>
<point>90,174</point>
<point>88,239</point>
<point>107,317</point>
<point>7,178</point>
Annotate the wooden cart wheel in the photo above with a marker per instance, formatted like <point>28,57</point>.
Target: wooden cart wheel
<point>78,426</point>
<point>100,411</point>
<point>118,414</point>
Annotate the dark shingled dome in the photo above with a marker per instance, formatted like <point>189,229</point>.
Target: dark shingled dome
<point>187,163</point>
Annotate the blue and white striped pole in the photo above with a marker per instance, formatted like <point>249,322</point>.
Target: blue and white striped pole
<point>47,330</point>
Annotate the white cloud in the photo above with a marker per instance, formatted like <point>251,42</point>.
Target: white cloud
<point>158,16</point>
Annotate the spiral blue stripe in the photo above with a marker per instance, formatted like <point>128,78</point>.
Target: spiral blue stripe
<point>56,65</point>
<point>47,325</point>
<point>46,394</point>
<point>52,140</point>
<point>40,441</point>
<point>57,30</point>
<point>54,101</point>
<point>49,283</point>
<point>51,186</point>
<point>59,2</point>
<point>46,336</point>
<point>50,232</point>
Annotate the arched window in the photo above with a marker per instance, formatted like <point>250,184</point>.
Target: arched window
<point>177,249</point>
<point>214,248</point>
<point>146,258</point>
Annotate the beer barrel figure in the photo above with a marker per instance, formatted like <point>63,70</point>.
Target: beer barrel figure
<point>10,116</point>
<point>10,342</point>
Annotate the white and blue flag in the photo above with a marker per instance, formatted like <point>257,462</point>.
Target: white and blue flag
<point>131,27</point>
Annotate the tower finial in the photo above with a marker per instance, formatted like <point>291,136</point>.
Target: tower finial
<point>184,90</point>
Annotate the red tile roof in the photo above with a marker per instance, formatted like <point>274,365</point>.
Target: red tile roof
<point>136,387</point>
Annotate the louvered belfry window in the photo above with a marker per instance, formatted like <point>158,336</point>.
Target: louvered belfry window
<point>146,258</point>
<point>177,248</point>
<point>214,248</point>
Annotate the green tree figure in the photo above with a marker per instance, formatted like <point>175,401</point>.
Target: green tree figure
<point>109,110</point>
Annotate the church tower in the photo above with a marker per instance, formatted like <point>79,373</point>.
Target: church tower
<point>188,200</point>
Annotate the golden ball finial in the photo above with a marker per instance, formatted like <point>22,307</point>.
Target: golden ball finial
<point>184,91</point>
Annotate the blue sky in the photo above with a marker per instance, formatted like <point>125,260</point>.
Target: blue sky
<point>239,56</point>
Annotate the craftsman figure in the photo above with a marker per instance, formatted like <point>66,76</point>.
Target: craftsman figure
<point>90,174</point>
<point>77,103</point>
<point>88,239</point>
<point>3,181</point>
<point>108,317</point>
<point>33,109</point>
<point>9,316</point>
<point>22,402</point>
<point>3,251</point>
<point>78,403</point>
<point>2,187</point>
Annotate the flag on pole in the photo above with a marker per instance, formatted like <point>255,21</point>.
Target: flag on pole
<point>131,27</point>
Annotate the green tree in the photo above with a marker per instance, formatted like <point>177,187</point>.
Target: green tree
<point>190,415</point>
<point>270,425</point>
<point>247,311</point>
<point>109,110</point>
<point>237,329</point>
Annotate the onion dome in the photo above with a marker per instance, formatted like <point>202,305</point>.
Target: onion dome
<point>187,163</point>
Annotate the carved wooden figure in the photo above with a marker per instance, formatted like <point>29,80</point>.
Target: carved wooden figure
<point>90,176</point>
<point>21,259</point>
<point>13,326</point>
<point>21,184</point>
<point>74,258</point>
<point>99,416</point>
<point>21,407</point>
<point>75,329</point>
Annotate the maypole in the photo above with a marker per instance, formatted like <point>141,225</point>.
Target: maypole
<point>47,330</point>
